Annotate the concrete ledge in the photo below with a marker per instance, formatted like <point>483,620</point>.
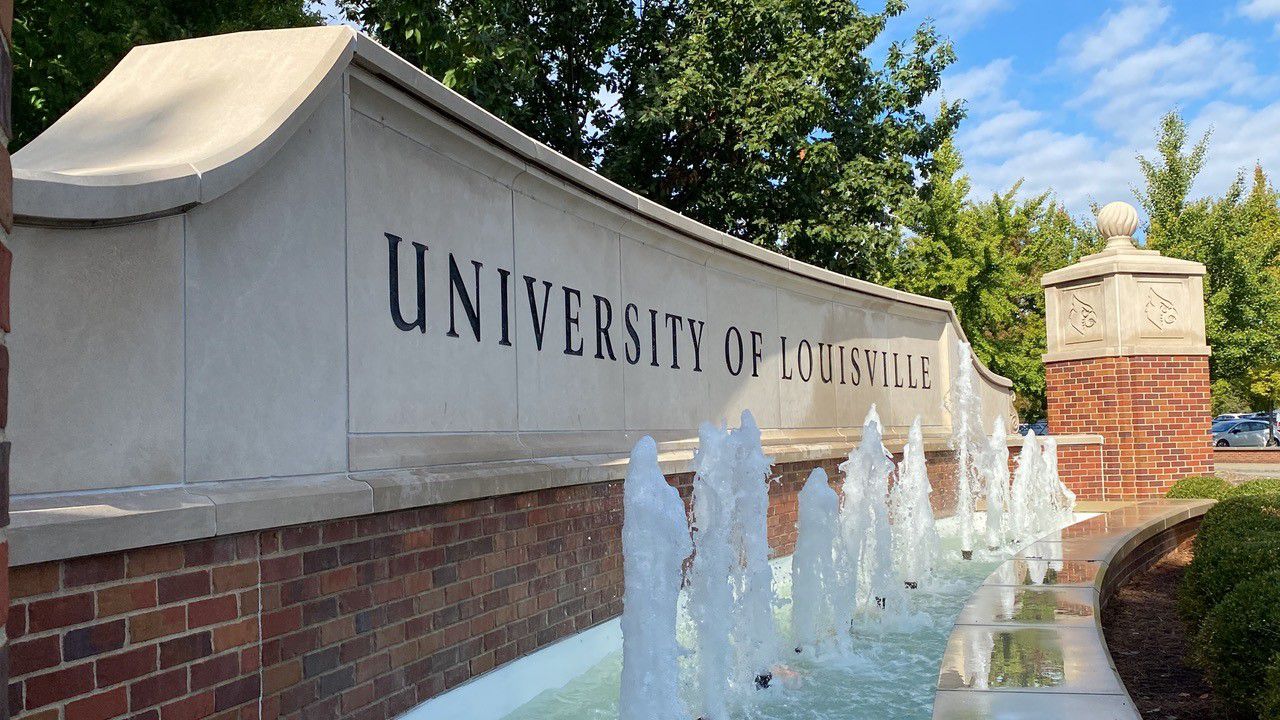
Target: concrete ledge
<point>67,525</point>
<point>245,505</point>
<point>1076,677</point>
<point>62,526</point>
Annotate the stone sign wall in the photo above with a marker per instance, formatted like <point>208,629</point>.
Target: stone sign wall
<point>348,269</point>
<point>324,381</point>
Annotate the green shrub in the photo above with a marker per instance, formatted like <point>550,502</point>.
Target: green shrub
<point>1219,569</point>
<point>1239,640</point>
<point>1200,486</point>
<point>1261,486</point>
<point>1270,702</point>
<point>1237,518</point>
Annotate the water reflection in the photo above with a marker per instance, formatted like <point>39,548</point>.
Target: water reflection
<point>1022,658</point>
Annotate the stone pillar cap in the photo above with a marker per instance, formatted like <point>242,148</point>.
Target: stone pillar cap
<point>1117,222</point>
<point>1124,300</point>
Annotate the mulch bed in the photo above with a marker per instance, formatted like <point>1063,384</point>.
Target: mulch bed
<point>1148,642</point>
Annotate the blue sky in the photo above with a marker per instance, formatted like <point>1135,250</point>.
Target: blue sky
<point>1065,93</point>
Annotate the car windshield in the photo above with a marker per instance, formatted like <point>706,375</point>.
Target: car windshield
<point>1223,426</point>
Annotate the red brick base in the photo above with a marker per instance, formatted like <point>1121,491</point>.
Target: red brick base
<point>1152,412</point>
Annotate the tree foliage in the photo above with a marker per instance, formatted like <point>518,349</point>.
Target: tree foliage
<point>540,65</point>
<point>987,258</point>
<point>1237,237</point>
<point>763,118</point>
<point>767,119</point>
<point>62,48</point>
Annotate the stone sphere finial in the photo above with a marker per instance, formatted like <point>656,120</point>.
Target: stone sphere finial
<point>1117,222</point>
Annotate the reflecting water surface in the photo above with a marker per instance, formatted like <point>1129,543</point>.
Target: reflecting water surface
<point>886,673</point>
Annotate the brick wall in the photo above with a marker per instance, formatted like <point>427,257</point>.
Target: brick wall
<point>1080,467</point>
<point>1253,456</point>
<point>356,618</point>
<point>1152,411</point>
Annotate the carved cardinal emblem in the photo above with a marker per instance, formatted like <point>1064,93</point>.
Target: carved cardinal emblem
<point>1160,310</point>
<point>1081,315</point>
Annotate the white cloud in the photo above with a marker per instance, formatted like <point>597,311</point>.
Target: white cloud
<point>1129,93</point>
<point>982,84</point>
<point>1117,33</point>
<point>956,17</point>
<point>1260,9</point>
<point>1076,167</point>
<point>1118,75</point>
<point>1241,137</point>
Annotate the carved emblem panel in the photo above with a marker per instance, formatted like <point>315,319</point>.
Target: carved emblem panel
<point>1163,309</point>
<point>1081,314</point>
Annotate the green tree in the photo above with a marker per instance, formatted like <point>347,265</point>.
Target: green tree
<point>540,65</point>
<point>987,258</point>
<point>62,48</point>
<point>762,118</point>
<point>767,119</point>
<point>1236,237</point>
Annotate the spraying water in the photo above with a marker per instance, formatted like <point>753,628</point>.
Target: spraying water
<point>731,585</point>
<point>915,537</point>
<point>864,519</point>
<point>655,543</point>
<point>710,592</point>
<point>1062,499</point>
<point>966,437</point>
<point>995,475</point>
<point>1026,478</point>
<point>755,634</point>
<point>815,579</point>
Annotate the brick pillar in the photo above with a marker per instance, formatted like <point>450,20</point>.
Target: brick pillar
<point>1127,360</point>
<point>6,262</point>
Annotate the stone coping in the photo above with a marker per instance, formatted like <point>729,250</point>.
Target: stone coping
<point>67,525</point>
<point>1000,622</point>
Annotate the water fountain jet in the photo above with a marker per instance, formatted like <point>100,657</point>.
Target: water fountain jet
<point>655,543</point>
<point>915,536</point>
<point>995,472</point>
<point>815,566</point>
<point>864,519</point>
<point>966,432</point>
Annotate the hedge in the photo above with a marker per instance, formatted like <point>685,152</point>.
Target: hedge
<point>1200,486</point>
<point>1217,570</point>
<point>1261,486</point>
<point>1238,642</point>
<point>1238,518</point>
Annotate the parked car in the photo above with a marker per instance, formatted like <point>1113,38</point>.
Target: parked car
<point>1243,433</point>
<point>1229,416</point>
<point>1040,426</point>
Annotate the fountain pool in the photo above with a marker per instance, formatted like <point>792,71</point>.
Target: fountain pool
<point>882,672</point>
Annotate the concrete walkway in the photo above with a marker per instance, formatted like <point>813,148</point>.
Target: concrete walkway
<point>1238,472</point>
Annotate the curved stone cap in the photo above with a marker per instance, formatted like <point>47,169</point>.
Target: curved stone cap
<point>179,124</point>
<point>1043,606</point>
